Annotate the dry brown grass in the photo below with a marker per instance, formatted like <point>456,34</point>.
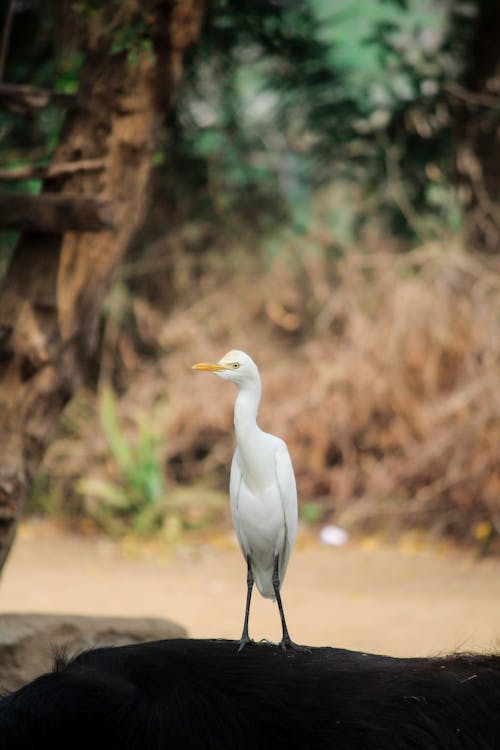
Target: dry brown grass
<point>382,372</point>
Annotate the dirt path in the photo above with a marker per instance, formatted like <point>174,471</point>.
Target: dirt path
<point>380,599</point>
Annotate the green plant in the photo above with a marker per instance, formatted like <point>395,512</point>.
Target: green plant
<point>311,512</point>
<point>280,99</point>
<point>135,497</point>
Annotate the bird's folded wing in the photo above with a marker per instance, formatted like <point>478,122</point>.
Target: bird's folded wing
<point>288,492</point>
<point>234,483</point>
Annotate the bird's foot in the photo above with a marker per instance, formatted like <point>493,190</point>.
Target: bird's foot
<point>288,645</point>
<point>243,642</point>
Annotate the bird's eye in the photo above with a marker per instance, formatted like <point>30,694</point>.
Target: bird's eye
<point>236,365</point>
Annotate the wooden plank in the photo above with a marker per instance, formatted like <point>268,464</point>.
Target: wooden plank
<point>55,213</point>
<point>42,172</point>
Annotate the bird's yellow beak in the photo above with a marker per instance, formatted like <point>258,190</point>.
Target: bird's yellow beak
<point>206,367</point>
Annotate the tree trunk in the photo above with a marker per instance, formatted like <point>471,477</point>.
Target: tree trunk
<point>478,156</point>
<point>54,289</point>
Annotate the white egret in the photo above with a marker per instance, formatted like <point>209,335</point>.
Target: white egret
<point>262,489</point>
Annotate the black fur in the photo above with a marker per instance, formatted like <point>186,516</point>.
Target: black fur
<point>195,694</point>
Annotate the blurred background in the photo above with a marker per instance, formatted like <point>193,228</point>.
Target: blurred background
<point>324,196</point>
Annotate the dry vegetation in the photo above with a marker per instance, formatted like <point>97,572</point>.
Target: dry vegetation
<point>381,370</point>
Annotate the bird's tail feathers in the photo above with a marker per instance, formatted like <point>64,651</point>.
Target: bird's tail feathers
<point>264,582</point>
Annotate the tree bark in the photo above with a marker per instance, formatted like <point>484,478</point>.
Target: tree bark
<point>43,172</point>
<point>54,213</point>
<point>54,289</point>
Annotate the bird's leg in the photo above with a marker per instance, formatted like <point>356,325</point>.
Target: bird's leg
<point>245,638</point>
<point>286,641</point>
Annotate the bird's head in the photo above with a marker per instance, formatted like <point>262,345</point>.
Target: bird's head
<point>235,366</point>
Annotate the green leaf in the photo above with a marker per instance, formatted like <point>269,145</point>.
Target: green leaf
<point>116,439</point>
<point>311,512</point>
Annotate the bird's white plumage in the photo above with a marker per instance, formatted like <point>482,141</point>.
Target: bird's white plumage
<point>265,516</point>
<point>262,482</point>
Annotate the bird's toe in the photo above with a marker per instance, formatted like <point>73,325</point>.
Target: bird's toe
<point>288,645</point>
<point>243,643</point>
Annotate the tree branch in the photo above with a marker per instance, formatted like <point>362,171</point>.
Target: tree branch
<point>50,170</point>
<point>23,99</point>
<point>55,213</point>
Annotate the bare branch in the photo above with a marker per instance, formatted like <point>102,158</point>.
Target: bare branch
<point>472,98</point>
<point>23,99</point>
<point>50,170</point>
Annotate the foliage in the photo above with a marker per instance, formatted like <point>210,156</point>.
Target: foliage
<point>284,97</point>
<point>136,499</point>
<point>47,50</point>
<point>106,469</point>
<point>278,99</point>
<point>379,370</point>
<point>392,412</point>
<point>36,57</point>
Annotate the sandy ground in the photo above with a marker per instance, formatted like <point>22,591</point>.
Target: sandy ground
<point>393,600</point>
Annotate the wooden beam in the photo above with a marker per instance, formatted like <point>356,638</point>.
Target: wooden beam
<point>42,172</point>
<point>23,99</point>
<point>55,213</point>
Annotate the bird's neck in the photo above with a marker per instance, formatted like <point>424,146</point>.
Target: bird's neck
<point>245,409</point>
